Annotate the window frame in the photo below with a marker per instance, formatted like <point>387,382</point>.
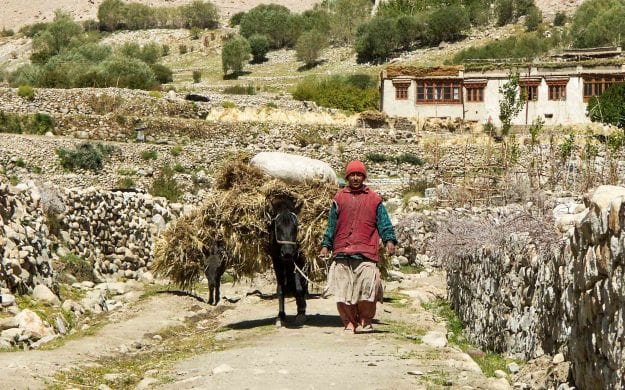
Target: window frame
<point>529,86</point>
<point>401,89</point>
<point>438,91</point>
<point>596,84</point>
<point>474,91</point>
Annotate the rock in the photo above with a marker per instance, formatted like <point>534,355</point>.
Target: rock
<point>8,323</point>
<point>223,368</point>
<point>500,374</point>
<point>435,339</point>
<point>513,368</point>
<point>44,294</point>
<point>30,322</point>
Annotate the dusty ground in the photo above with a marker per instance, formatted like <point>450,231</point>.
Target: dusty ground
<point>251,353</point>
<point>16,13</point>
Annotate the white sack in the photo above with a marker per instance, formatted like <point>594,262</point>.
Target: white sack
<point>293,168</point>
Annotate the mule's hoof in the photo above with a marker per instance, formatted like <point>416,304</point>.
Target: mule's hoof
<point>300,319</point>
<point>278,322</point>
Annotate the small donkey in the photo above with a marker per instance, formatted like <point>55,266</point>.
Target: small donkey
<point>214,268</point>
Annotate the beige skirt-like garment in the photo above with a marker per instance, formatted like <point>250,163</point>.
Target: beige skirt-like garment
<point>352,281</point>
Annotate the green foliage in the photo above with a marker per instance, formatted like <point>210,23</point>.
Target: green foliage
<point>309,46</point>
<point>567,147</point>
<point>75,265</point>
<point>524,46</point>
<point>609,108</point>
<point>376,40</point>
<point>235,51</point>
<point>408,158</point>
<point>26,92</point>
<point>259,47</point>
<point>30,30</point>
<point>60,35</point>
<point>165,50</point>
<point>116,14</point>
<point>505,12</point>
<point>200,14</point>
<point>411,29</point>
<point>377,157</point>
<point>274,21</point>
<point>124,72</point>
<point>125,182</point>
<point>240,90</point>
<point>559,19</point>
<point>176,150</point>
<point>615,141</point>
<point>447,24</point>
<point>165,185</point>
<point>337,92</point>
<point>155,94</point>
<point>598,23</point>
<point>6,33</point>
<point>535,128</point>
<point>197,76</point>
<point>510,104</point>
<point>39,123</point>
<point>179,168</point>
<point>84,156</point>
<point>183,49</point>
<point>345,18</point>
<point>441,308</point>
<point>534,19</point>
<point>162,73</point>
<point>149,155</point>
<point>235,19</point>
<point>228,104</point>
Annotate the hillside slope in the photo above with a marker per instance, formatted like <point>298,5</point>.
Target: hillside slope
<point>17,13</point>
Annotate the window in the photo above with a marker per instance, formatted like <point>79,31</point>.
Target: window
<point>529,88</point>
<point>438,91</point>
<point>401,90</point>
<point>595,85</point>
<point>475,90</point>
<point>556,88</point>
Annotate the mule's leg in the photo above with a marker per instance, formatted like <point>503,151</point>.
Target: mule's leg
<point>281,313</point>
<point>300,298</point>
<point>211,292</point>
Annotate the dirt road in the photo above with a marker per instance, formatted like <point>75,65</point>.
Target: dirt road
<point>157,343</point>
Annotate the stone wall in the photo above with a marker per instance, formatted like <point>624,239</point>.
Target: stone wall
<point>520,300</point>
<point>114,231</point>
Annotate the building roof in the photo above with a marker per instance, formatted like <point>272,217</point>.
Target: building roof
<point>419,71</point>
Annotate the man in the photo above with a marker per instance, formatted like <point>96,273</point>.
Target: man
<point>357,221</point>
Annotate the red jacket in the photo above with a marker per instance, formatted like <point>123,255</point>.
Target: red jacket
<point>356,228</point>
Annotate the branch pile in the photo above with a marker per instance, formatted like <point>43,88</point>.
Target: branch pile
<point>237,216</point>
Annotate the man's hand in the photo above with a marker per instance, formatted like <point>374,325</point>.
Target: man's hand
<point>325,252</point>
<point>390,248</point>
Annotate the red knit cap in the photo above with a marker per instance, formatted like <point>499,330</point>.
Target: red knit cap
<point>355,166</point>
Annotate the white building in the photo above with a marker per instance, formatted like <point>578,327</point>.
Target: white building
<point>557,94</point>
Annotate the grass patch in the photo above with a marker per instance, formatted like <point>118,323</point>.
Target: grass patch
<point>489,362</point>
<point>149,155</point>
<point>396,299</point>
<point>412,269</point>
<point>403,330</point>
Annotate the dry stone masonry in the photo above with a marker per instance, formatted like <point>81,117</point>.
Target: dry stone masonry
<point>523,301</point>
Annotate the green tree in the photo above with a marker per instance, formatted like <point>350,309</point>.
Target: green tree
<point>599,22</point>
<point>111,13</point>
<point>272,20</point>
<point>609,108</point>
<point>347,16</point>
<point>505,12</point>
<point>447,24</point>
<point>511,102</point>
<point>559,19</point>
<point>126,72</point>
<point>62,34</point>
<point>234,53</point>
<point>410,30</point>
<point>259,46</point>
<point>376,40</point>
<point>200,14</point>
<point>309,47</point>
<point>534,19</point>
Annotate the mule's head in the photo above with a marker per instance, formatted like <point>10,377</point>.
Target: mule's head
<point>284,231</point>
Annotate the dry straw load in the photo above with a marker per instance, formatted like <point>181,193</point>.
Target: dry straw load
<point>237,216</point>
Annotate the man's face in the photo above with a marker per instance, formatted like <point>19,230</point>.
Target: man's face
<point>355,180</point>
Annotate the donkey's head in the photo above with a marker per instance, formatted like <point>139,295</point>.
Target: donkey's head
<point>284,228</point>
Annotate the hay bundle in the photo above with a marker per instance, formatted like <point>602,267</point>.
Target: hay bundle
<point>238,216</point>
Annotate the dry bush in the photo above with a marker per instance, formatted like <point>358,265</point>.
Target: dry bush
<point>458,238</point>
